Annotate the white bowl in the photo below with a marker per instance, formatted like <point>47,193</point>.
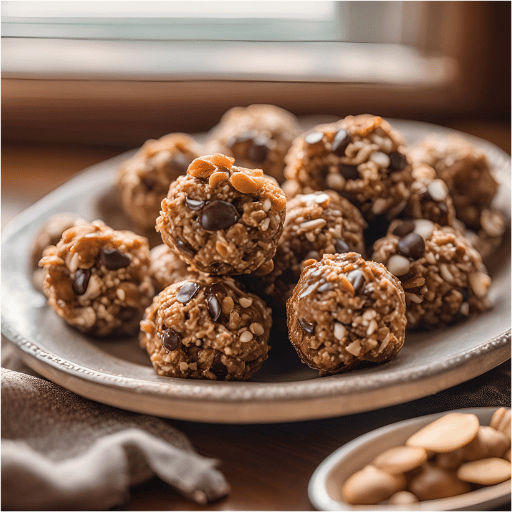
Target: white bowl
<point>326,483</point>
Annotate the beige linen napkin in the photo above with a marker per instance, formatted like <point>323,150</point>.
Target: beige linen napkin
<point>61,451</point>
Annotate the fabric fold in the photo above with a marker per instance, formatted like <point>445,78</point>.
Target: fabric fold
<point>61,451</point>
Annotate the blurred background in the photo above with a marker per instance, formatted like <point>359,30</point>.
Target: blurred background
<point>82,81</point>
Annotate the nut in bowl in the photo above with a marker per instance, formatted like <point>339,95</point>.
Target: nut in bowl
<point>394,461</point>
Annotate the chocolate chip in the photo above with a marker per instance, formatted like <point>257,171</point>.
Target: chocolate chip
<point>341,246</point>
<point>257,152</point>
<point>81,281</point>
<point>412,246</point>
<point>170,339</point>
<point>313,137</point>
<point>114,259</point>
<point>349,172</point>
<point>149,182</point>
<point>309,328</point>
<point>404,228</point>
<point>214,307</point>
<point>217,289</point>
<point>356,277</point>
<point>341,140</point>
<point>398,161</point>
<point>184,248</point>
<point>218,215</point>
<point>194,204</point>
<point>326,287</point>
<point>187,291</point>
<point>218,368</point>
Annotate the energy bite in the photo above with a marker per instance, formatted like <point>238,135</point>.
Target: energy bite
<point>466,171</point>
<point>441,273</point>
<point>167,268</point>
<point>430,198</point>
<point>489,237</point>
<point>345,310</point>
<point>97,279</point>
<point>316,224</point>
<point>49,234</point>
<point>206,328</point>
<point>144,179</point>
<point>223,219</point>
<point>361,157</point>
<point>257,136</point>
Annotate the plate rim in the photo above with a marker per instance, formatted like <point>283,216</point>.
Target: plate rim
<point>255,392</point>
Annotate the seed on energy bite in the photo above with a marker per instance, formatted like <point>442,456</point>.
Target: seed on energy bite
<point>307,327</point>
<point>356,277</point>
<point>114,259</point>
<point>349,172</point>
<point>326,287</point>
<point>380,158</point>
<point>425,228</point>
<point>398,265</point>
<point>218,215</point>
<point>194,204</point>
<point>187,291</point>
<point>404,228</point>
<point>398,161</point>
<point>81,281</point>
<point>170,339</point>
<point>341,140</point>
<point>412,246</point>
<point>437,190</point>
<point>313,138</point>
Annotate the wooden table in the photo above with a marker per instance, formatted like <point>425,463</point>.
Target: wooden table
<point>268,466</point>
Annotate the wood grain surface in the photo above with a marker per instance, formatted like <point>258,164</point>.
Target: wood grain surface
<point>267,466</point>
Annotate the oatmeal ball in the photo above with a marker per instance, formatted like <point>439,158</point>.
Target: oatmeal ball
<point>167,268</point>
<point>316,224</point>
<point>97,279</point>
<point>465,170</point>
<point>144,179</point>
<point>360,157</point>
<point>345,310</point>
<point>223,219</point>
<point>489,238</point>
<point>49,234</point>
<point>430,198</point>
<point>441,273</point>
<point>257,136</point>
<point>206,328</point>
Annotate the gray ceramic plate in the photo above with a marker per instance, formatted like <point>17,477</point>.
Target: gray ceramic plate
<point>119,372</point>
